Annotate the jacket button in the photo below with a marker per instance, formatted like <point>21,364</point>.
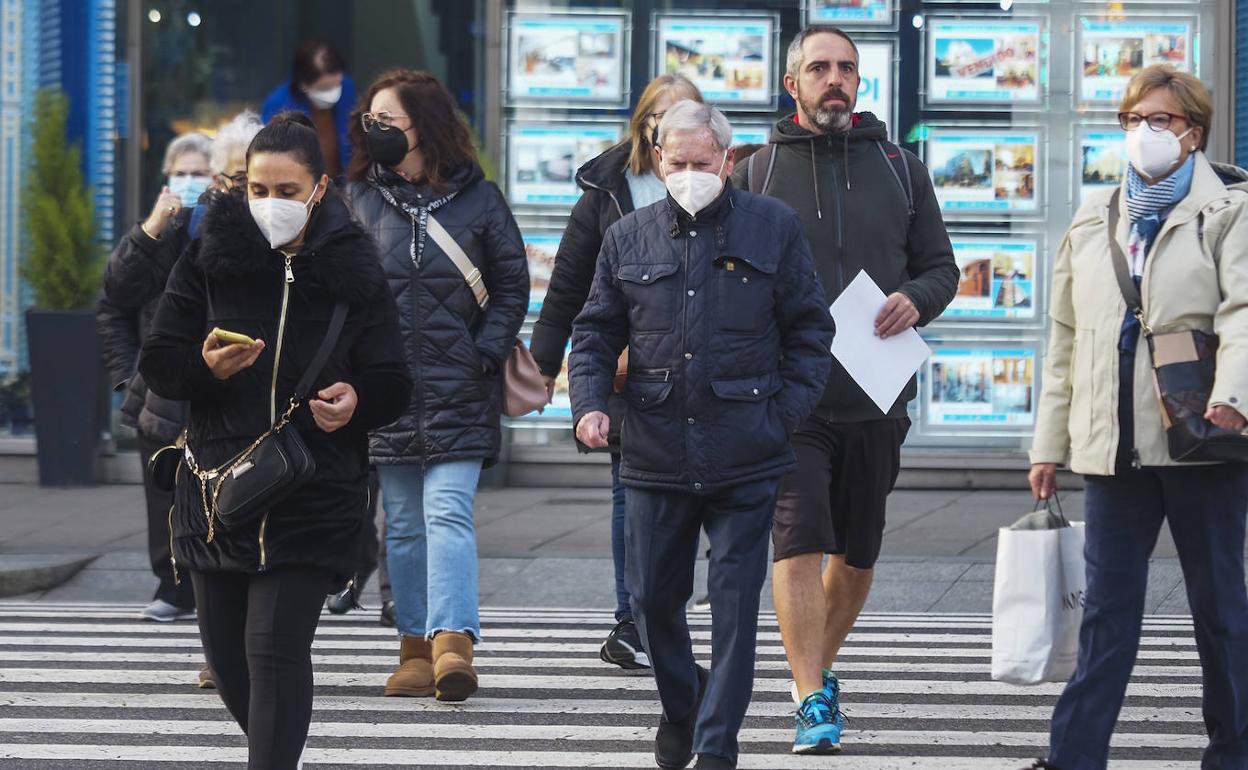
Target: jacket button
<point>697,485</point>
<point>691,292</point>
<point>693,233</point>
<point>645,277</point>
<point>745,280</point>
<point>1233,400</point>
<point>692,421</point>
<point>756,391</point>
<point>688,356</point>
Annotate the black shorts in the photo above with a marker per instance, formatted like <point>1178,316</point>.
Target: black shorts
<point>834,502</point>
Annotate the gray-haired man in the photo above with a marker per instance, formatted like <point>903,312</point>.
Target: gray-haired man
<point>715,295</point>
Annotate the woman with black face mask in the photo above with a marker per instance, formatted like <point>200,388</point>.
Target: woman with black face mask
<point>415,185</point>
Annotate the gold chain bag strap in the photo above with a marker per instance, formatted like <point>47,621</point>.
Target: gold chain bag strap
<point>273,466</point>
<point>1184,366</point>
<point>524,387</point>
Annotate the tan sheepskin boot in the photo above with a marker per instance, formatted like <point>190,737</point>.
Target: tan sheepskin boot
<point>453,676</point>
<point>414,677</point>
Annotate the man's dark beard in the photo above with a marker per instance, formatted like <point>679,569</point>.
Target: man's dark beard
<point>831,120</point>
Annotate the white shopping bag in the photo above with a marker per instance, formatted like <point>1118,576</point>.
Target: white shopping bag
<point>1037,599</point>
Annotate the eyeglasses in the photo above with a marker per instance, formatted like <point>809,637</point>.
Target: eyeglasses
<point>658,116</point>
<point>237,180</point>
<point>1158,121</point>
<point>383,119</point>
<point>184,174</point>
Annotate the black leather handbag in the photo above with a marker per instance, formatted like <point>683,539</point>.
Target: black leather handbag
<point>1184,365</point>
<point>271,467</point>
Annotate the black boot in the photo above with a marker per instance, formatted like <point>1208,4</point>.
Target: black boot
<point>344,601</point>
<point>387,614</point>
<point>673,743</point>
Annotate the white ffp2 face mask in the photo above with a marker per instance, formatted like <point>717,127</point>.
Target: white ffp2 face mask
<point>695,190</point>
<point>1154,153</point>
<point>280,220</point>
<point>325,97</point>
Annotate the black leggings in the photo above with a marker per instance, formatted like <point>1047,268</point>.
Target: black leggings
<point>257,633</point>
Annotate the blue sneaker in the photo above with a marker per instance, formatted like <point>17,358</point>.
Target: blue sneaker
<point>832,689</point>
<point>818,729</point>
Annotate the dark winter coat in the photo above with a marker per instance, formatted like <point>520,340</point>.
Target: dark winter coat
<point>728,339</point>
<point>606,199</point>
<point>230,278</point>
<point>134,278</point>
<point>854,211</point>
<point>454,350</point>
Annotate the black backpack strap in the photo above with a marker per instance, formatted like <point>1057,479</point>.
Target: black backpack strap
<point>750,176</point>
<point>901,172</point>
<point>336,322</point>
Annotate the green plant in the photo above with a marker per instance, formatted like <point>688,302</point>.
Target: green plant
<point>64,261</point>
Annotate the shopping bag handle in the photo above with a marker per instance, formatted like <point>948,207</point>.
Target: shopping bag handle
<point>1056,517</point>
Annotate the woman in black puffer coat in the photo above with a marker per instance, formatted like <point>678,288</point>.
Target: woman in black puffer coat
<point>614,184</point>
<point>262,267</point>
<point>413,166</point>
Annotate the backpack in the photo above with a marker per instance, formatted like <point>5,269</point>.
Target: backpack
<point>893,154</point>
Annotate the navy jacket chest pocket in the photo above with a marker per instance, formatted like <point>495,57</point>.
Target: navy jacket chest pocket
<point>746,294</point>
<point>652,296</point>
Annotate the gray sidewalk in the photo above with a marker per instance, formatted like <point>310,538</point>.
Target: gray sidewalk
<point>543,547</point>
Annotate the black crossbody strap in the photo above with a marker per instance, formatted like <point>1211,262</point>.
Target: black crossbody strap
<point>336,322</point>
<point>1130,292</point>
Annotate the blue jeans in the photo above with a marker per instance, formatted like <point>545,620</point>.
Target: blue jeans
<point>1205,508</point>
<point>623,606</point>
<point>431,546</point>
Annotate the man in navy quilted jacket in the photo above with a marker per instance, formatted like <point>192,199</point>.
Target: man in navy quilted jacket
<point>714,292</point>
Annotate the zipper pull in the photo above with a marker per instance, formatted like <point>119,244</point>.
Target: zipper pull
<point>290,274</point>
<point>1135,459</point>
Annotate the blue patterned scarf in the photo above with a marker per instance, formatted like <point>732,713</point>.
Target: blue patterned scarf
<point>1148,206</point>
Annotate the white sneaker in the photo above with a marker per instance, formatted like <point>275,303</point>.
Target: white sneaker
<point>164,612</point>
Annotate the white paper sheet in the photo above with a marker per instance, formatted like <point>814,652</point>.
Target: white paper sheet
<point>881,367</point>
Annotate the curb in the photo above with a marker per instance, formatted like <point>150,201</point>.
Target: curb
<point>31,573</point>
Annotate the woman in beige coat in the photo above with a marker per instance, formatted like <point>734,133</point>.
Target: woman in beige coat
<point>1185,234</point>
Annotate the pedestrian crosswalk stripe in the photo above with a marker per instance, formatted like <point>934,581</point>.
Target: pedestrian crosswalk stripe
<point>401,758</point>
<point>365,632</point>
<point>588,733</point>
<point>327,704</point>
<point>388,661</point>
<point>92,685</point>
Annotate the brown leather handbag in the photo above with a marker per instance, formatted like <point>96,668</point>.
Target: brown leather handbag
<point>1184,365</point>
<point>524,387</point>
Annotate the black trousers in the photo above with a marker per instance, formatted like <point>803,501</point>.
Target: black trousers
<point>373,545</point>
<point>662,532</point>
<point>158,505</point>
<point>257,634</point>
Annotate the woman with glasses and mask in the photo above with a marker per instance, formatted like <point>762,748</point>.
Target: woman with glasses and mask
<point>416,186</point>
<point>134,278</point>
<point>319,88</point>
<point>622,179</point>
<point>1182,238</point>
<point>272,263</point>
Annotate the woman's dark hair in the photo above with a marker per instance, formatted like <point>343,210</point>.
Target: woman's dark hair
<point>292,133</point>
<point>443,135</point>
<point>314,58</point>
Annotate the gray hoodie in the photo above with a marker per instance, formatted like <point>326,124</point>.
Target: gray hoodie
<point>855,214</point>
